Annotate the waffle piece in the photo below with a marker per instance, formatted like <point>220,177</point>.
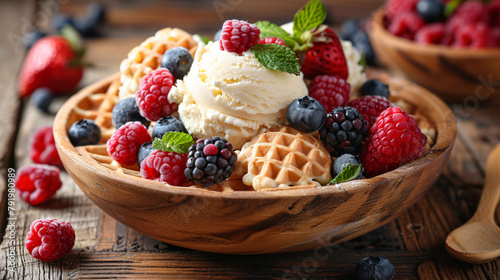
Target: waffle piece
<point>147,56</point>
<point>282,158</point>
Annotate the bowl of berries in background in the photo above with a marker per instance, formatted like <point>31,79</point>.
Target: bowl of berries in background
<point>450,47</point>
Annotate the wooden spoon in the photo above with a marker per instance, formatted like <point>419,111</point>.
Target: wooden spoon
<point>478,240</point>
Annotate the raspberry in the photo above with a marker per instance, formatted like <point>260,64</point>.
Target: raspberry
<point>126,141</point>
<point>152,96</point>
<point>272,40</point>
<point>210,161</point>
<point>474,35</point>
<point>238,36</point>
<point>431,34</point>
<point>50,239</point>
<point>494,12</point>
<point>370,107</point>
<point>166,167</point>
<point>395,7</point>
<point>344,131</point>
<point>43,149</point>
<point>406,24</point>
<point>393,140</point>
<point>495,37</point>
<point>472,12</point>
<point>37,183</point>
<point>331,91</point>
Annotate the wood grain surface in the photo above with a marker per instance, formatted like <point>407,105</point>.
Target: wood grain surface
<point>106,249</point>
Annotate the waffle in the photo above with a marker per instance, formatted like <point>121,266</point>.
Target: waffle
<point>147,56</point>
<point>283,158</point>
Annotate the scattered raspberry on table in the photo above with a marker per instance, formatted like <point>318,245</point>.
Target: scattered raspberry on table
<point>50,239</point>
<point>37,183</point>
<point>43,149</point>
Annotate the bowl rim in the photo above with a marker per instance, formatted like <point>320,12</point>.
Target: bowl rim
<point>445,129</point>
<point>377,28</point>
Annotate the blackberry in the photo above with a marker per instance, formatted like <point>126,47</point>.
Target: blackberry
<point>344,131</point>
<point>126,110</point>
<point>167,124</point>
<point>210,160</point>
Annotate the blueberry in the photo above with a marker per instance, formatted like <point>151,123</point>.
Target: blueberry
<point>88,25</point>
<point>60,20</point>
<point>374,268</point>
<point>348,29</point>
<point>178,61</point>
<point>144,151</point>
<point>361,41</point>
<point>217,35</point>
<point>343,161</point>
<point>126,110</point>
<point>306,114</point>
<point>167,124</point>
<point>431,10</point>
<point>376,88</point>
<point>42,98</point>
<point>84,132</point>
<point>30,39</point>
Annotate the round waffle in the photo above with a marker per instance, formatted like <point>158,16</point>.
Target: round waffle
<point>147,56</point>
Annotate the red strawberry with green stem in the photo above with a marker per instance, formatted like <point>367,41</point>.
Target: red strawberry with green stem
<point>53,62</point>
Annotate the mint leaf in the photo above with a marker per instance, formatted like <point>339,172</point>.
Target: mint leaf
<point>451,6</point>
<point>362,61</point>
<point>204,39</point>
<point>277,57</point>
<point>350,172</point>
<point>177,142</point>
<point>268,29</point>
<point>313,14</point>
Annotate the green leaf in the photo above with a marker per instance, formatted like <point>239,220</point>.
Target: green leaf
<point>204,39</point>
<point>313,14</point>
<point>451,7</point>
<point>75,40</point>
<point>268,29</point>
<point>362,61</point>
<point>177,142</point>
<point>277,57</point>
<point>350,172</point>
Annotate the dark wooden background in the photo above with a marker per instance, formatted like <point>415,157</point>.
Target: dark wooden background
<point>105,249</point>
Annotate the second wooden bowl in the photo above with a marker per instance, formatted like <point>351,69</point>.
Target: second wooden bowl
<point>251,222</point>
<point>456,75</point>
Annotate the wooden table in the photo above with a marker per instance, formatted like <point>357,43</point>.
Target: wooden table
<point>106,249</point>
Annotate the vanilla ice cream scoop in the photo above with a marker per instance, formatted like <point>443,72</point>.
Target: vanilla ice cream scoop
<point>233,96</point>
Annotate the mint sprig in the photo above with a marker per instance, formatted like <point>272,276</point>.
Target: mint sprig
<point>277,57</point>
<point>177,142</point>
<point>362,62</point>
<point>350,172</point>
<point>313,14</point>
<point>268,29</point>
<point>450,7</point>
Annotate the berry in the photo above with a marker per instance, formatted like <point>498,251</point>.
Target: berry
<point>167,124</point>
<point>375,87</point>
<point>361,41</point>
<point>370,107</point>
<point>348,29</point>
<point>88,25</point>
<point>166,167</point>
<point>31,38</point>
<point>178,61</point>
<point>392,141</point>
<point>238,36</point>
<point>431,34</point>
<point>43,149</point>
<point>37,183</point>
<point>396,7</point>
<point>406,24</point>
<point>217,35</point>
<point>494,12</point>
<point>144,151</point>
<point>126,110</point>
<point>50,64</point>
<point>272,40</point>
<point>306,114</point>
<point>126,141</point>
<point>344,131</point>
<point>42,98</point>
<point>431,10</point>
<point>50,239</point>
<point>325,57</point>
<point>474,35</point>
<point>343,161</point>
<point>472,12</point>
<point>84,132</point>
<point>152,96</point>
<point>374,268</point>
<point>331,91</point>
<point>61,20</point>
<point>210,161</point>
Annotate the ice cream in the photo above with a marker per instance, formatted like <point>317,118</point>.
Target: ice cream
<point>357,77</point>
<point>233,96</point>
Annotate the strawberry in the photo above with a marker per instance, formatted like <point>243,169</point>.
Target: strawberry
<point>325,57</point>
<point>50,63</point>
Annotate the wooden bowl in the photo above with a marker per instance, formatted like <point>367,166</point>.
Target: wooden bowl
<point>456,75</point>
<point>251,222</point>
